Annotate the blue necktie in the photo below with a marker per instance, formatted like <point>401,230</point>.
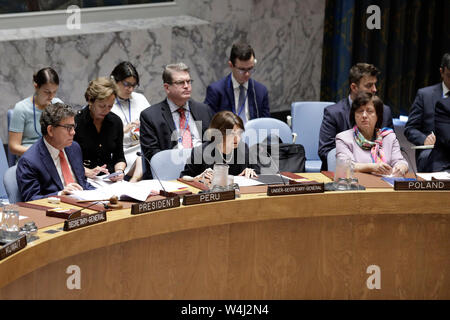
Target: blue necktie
<point>241,106</point>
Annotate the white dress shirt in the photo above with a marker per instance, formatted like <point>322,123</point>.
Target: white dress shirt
<point>54,154</point>
<point>196,139</point>
<point>236,98</point>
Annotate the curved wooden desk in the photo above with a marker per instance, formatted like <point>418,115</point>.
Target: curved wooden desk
<point>315,246</point>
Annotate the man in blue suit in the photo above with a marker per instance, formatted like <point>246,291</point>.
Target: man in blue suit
<point>439,159</point>
<point>419,129</point>
<point>237,92</point>
<point>336,118</point>
<point>54,164</point>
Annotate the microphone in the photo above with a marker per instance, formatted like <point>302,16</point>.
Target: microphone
<point>409,161</point>
<point>276,166</point>
<point>77,213</point>
<point>140,154</point>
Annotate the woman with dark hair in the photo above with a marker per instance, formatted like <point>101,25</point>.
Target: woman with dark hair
<point>100,132</point>
<point>24,129</point>
<point>371,148</point>
<point>224,147</point>
<point>128,105</point>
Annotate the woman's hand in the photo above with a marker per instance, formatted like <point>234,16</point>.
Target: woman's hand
<point>119,177</point>
<point>382,168</point>
<point>207,174</point>
<point>248,173</point>
<point>92,173</point>
<point>400,169</point>
<point>131,126</point>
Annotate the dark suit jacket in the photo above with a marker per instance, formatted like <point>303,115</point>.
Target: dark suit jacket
<point>439,159</point>
<point>37,176</point>
<point>336,118</point>
<point>220,97</point>
<point>421,120</point>
<point>157,126</point>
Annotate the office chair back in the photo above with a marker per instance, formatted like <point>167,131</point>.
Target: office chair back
<point>331,160</point>
<point>257,130</point>
<point>168,164</point>
<point>11,157</point>
<point>10,182</point>
<point>3,167</point>
<point>306,121</point>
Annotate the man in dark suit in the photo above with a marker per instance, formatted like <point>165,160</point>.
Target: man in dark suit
<point>175,122</point>
<point>362,78</point>
<point>439,159</point>
<point>419,129</point>
<point>54,164</point>
<point>236,92</point>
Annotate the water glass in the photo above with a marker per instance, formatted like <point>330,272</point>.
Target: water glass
<point>342,174</point>
<point>10,223</point>
<point>220,175</point>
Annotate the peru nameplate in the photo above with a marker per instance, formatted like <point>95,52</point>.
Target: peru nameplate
<point>209,197</point>
<point>437,185</point>
<point>84,221</point>
<point>12,247</point>
<point>280,189</point>
<point>155,205</point>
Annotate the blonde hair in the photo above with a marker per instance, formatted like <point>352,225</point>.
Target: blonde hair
<point>99,89</point>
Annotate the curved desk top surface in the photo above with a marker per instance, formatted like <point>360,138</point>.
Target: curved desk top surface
<point>121,226</point>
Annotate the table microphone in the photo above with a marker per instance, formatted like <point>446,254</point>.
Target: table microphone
<point>75,213</point>
<point>409,161</point>
<point>271,159</point>
<point>140,154</point>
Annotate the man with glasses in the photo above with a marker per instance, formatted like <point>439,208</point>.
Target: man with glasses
<point>236,92</point>
<point>54,164</point>
<point>177,121</point>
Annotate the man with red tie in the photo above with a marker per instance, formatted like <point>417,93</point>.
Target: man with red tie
<point>177,121</point>
<point>54,164</point>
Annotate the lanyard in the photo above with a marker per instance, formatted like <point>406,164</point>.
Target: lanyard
<point>34,118</point>
<point>129,110</point>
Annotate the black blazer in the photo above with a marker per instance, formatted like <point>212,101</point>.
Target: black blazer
<point>336,118</point>
<point>204,156</point>
<point>157,126</point>
<point>439,159</point>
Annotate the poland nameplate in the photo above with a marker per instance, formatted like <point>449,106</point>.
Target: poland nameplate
<point>438,185</point>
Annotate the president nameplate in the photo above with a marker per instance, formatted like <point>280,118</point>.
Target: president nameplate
<point>84,221</point>
<point>12,247</point>
<point>436,185</point>
<point>208,197</point>
<point>155,205</point>
<point>278,190</point>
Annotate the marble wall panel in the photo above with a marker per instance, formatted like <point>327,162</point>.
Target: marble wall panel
<point>286,35</point>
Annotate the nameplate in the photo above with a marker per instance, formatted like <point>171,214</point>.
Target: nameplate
<point>422,185</point>
<point>280,189</point>
<point>208,197</point>
<point>155,205</point>
<point>84,221</point>
<point>61,213</point>
<point>12,247</point>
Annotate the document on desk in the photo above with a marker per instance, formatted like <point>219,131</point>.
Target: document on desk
<point>126,190</point>
<point>443,175</point>
<point>245,182</point>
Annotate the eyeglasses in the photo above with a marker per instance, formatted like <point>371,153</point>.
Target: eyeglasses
<point>243,71</point>
<point>183,82</point>
<point>69,127</point>
<point>130,85</point>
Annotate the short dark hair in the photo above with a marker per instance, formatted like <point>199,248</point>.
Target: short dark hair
<point>241,51</point>
<point>363,98</point>
<point>168,69</point>
<point>53,114</point>
<point>124,70</point>
<point>225,120</point>
<point>44,76</point>
<point>445,62</point>
<point>359,70</point>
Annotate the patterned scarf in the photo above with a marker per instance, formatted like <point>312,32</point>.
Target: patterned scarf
<point>375,147</point>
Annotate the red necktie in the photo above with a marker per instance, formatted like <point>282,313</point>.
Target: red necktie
<point>68,178</point>
<point>186,139</point>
